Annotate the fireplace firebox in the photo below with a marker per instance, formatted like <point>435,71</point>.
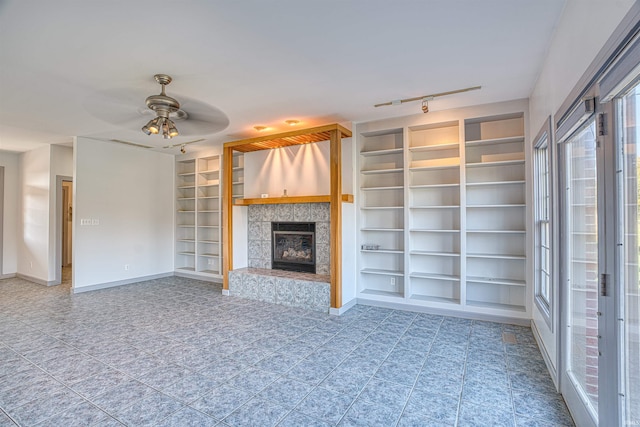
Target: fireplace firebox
<point>293,246</point>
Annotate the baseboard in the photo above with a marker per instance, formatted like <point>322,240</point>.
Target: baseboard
<point>8,276</point>
<point>36,280</point>
<point>545,355</point>
<point>203,277</point>
<point>444,312</point>
<point>119,283</point>
<point>343,309</point>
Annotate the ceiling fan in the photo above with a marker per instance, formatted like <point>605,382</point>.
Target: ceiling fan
<point>129,108</point>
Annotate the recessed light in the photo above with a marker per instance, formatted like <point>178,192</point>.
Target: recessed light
<point>292,122</point>
<point>260,128</point>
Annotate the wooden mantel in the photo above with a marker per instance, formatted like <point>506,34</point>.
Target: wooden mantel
<point>332,133</point>
<point>348,198</point>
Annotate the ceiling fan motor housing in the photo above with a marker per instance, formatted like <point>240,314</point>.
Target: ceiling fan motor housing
<point>162,104</point>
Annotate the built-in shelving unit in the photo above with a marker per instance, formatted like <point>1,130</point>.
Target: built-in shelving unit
<point>237,175</point>
<point>186,215</point>
<point>198,219</point>
<point>382,212</point>
<point>442,212</point>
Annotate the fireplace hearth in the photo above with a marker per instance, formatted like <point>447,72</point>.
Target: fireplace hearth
<point>293,246</point>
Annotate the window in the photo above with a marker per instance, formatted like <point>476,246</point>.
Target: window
<point>542,213</point>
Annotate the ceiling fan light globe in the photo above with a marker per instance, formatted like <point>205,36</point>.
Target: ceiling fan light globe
<point>146,130</point>
<point>172,130</point>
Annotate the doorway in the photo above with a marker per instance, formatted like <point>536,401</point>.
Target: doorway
<point>64,226</point>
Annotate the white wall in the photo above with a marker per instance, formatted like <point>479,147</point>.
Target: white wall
<point>581,33</point>
<point>33,222</point>
<point>302,170</point>
<point>130,192</point>
<point>12,203</point>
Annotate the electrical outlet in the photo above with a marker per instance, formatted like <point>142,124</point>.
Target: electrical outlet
<point>85,221</point>
<point>393,281</point>
<point>95,222</point>
<point>126,266</point>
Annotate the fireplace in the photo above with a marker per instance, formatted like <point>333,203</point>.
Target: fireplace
<point>293,246</point>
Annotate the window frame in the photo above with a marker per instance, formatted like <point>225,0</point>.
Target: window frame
<point>545,304</point>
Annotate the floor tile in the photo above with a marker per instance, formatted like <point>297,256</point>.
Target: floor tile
<point>434,406</point>
<point>149,410</point>
<point>188,417</point>
<point>386,394</point>
<point>297,419</point>
<point>286,392</point>
<point>364,413</point>
<point>257,412</point>
<point>472,415</point>
<point>222,401</point>
<point>325,405</point>
<point>82,415</point>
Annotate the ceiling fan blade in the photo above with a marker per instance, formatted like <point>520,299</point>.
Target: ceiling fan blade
<point>126,108</point>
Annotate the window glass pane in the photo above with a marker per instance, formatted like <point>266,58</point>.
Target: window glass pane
<point>581,225</point>
<point>630,114</point>
<point>541,211</point>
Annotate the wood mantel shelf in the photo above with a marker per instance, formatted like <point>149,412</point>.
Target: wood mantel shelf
<point>348,198</point>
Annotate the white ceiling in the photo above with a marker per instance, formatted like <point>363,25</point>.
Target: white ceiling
<point>260,62</point>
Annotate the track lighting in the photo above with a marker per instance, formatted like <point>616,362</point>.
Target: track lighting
<point>426,98</point>
<point>182,149</point>
<point>425,105</point>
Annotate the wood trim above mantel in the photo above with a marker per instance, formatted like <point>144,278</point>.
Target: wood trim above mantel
<point>348,198</point>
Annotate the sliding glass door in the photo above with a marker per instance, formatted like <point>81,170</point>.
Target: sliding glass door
<point>580,271</point>
<point>628,206</point>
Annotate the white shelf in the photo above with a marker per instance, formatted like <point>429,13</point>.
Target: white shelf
<point>495,306</point>
<point>432,230</point>
<point>381,152</point>
<point>435,167</point>
<point>449,146</point>
<point>190,269</point>
<point>429,298</point>
<point>495,256</point>
<point>383,251</point>
<point>382,229</point>
<point>493,183</point>
<point>514,205</point>
<point>395,187</point>
<point>187,174</point>
<point>496,281</point>
<point>209,255</point>
<point>444,277</point>
<point>494,141</point>
<point>378,171</point>
<point>435,253</point>
<point>493,164</point>
<point>414,187</point>
<point>381,293</point>
<point>186,253</point>
<point>436,207</point>
<point>186,225</point>
<point>186,240</point>
<point>186,187</point>
<point>381,208</point>
<point>497,231</point>
<point>183,211</point>
<point>396,273</point>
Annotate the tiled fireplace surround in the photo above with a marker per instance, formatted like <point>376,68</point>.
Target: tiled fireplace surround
<point>260,282</point>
